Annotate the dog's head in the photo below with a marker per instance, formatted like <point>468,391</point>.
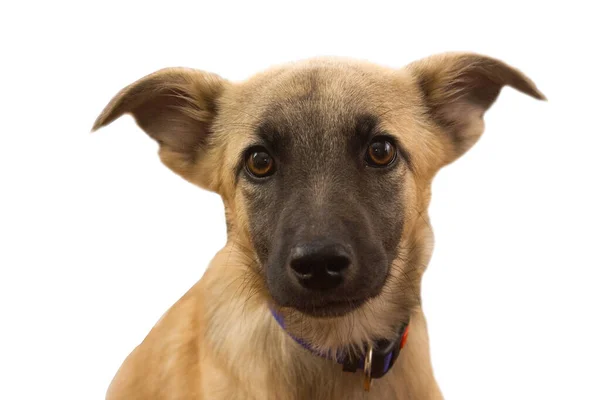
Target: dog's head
<point>325,168</point>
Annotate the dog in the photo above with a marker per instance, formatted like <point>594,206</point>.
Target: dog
<point>325,168</point>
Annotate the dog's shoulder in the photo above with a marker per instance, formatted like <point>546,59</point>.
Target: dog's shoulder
<point>167,360</point>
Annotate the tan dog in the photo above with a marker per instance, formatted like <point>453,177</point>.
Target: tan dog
<point>325,168</point>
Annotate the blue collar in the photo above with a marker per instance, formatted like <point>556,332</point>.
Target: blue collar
<point>385,352</point>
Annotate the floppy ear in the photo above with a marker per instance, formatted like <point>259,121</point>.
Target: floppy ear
<point>176,107</point>
<point>458,88</point>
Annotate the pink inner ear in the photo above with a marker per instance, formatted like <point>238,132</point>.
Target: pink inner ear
<point>165,120</point>
<point>459,88</point>
<point>175,107</point>
<point>464,123</point>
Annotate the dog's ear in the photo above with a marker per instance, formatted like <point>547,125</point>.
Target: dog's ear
<point>458,88</point>
<point>176,107</point>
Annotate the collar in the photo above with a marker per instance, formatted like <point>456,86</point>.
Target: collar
<point>379,358</point>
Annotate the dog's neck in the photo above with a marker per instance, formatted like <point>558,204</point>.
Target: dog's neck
<point>375,360</point>
<point>246,340</point>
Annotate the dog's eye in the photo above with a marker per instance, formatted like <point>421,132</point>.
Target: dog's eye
<point>259,163</point>
<point>381,152</point>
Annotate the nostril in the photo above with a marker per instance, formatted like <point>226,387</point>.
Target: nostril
<point>302,268</point>
<point>319,266</point>
<point>336,265</point>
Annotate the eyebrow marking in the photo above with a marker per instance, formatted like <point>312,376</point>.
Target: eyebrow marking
<point>366,124</point>
<point>270,137</point>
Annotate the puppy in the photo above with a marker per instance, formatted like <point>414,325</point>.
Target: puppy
<point>325,168</point>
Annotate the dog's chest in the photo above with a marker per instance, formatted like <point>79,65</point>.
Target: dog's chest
<point>312,379</point>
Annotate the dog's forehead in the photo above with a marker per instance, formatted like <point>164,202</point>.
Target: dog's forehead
<point>331,83</point>
<point>317,103</point>
<point>310,105</point>
<point>315,97</point>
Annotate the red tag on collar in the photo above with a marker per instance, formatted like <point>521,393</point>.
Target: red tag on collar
<point>404,337</point>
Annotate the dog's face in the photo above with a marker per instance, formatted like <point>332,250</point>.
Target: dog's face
<point>322,174</point>
<point>324,167</point>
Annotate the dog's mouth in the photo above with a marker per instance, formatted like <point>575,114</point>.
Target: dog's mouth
<point>328,309</point>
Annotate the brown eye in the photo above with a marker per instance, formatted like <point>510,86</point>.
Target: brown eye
<point>259,163</point>
<point>381,152</point>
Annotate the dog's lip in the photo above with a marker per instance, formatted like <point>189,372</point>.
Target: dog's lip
<point>331,308</point>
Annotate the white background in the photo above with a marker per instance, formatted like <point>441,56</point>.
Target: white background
<point>98,239</point>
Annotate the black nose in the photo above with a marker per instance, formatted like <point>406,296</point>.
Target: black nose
<point>319,266</point>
